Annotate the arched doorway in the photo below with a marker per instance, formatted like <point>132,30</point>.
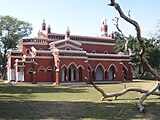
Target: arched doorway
<point>72,73</point>
<point>64,74</point>
<point>111,73</point>
<point>80,73</point>
<point>41,74</point>
<point>49,74</point>
<point>99,73</point>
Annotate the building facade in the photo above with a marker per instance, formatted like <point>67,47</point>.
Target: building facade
<point>62,58</point>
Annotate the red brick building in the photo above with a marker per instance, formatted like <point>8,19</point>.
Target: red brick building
<point>60,58</point>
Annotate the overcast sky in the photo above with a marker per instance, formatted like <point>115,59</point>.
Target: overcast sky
<point>82,16</point>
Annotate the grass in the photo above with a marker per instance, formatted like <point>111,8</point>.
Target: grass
<point>74,102</point>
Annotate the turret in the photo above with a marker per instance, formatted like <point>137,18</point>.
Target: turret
<point>104,28</point>
<point>49,29</point>
<point>67,33</point>
<point>43,25</point>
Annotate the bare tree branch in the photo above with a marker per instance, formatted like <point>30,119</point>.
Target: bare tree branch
<point>143,60</point>
<point>117,94</point>
<point>141,41</point>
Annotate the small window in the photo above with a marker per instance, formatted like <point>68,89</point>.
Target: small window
<point>93,51</point>
<point>105,52</point>
<point>28,51</point>
<point>68,48</point>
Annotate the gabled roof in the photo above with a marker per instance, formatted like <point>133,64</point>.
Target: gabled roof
<point>66,40</point>
<point>70,46</point>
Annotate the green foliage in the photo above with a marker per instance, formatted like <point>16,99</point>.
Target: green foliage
<point>152,54</point>
<point>11,30</point>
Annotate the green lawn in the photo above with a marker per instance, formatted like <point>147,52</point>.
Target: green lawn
<point>74,102</point>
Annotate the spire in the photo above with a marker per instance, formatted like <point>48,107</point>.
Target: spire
<point>67,33</point>
<point>49,29</point>
<point>43,25</point>
<point>104,27</point>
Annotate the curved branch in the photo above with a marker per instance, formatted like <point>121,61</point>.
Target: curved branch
<point>117,94</point>
<point>141,41</point>
<point>143,60</point>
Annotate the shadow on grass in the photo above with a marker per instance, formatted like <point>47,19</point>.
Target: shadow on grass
<point>28,89</point>
<point>75,110</point>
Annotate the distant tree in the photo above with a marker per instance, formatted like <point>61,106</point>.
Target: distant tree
<point>11,30</point>
<point>152,54</point>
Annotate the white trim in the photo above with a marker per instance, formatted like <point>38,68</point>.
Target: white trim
<point>66,40</point>
<point>33,43</point>
<point>69,45</point>
<point>99,43</point>
<point>81,37</point>
<point>106,55</point>
<point>29,70</point>
<point>101,66</point>
<point>43,57</point>
<point>124,67</point>
<point>72,63</point>
<point>11,74</point>
<point>42,68</point>
<point>74,57</point>
<point>93,51</point>
<point>16,56</point>
<point>33,49</point>
<point>20,65</point>
<point>43,51</point>
<point>16,51</point>
<point>34,38</point>
<point>80,66</point>
<point>111,66</point>
<point>64,66</point>
<point>104,59</point>
<point>71,51</point>
<point>49,68</point>
<point>90,67</point>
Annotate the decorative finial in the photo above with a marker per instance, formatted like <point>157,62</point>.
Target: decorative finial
<point>67,33</point>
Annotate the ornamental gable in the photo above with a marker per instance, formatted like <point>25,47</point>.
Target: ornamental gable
<point>66,44</point>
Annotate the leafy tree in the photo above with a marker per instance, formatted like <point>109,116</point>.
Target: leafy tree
<point>11,30</point>
<point>152,54</point>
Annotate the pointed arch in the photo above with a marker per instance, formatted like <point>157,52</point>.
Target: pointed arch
<point>99,73</point>
<point>29,76</point>
<point>41,68</point>
<point>80,70</point>
<point>105,52</point>
<point>81,67</point>
<point>49,74</point>
<point>64,66</point>
<point>72,64</point>
<point>67,48</point>
<point>89,67</point>
<point>125,67</point>
<point>72,72</point>
<point>49,68</point>
<point>113,66</point>
<point>112,72</point>
<point>101,66</point>
<point>93,51</point>
<point>64,73</point>
<point>30,70</point>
